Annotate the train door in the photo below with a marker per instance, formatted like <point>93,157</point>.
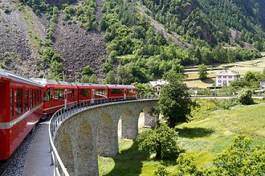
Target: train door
<point>93,95</point>
<point>4,102</point>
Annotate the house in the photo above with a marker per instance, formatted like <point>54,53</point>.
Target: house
<point>224,78</point>
<point>157,85</point>
<point>262,84</point>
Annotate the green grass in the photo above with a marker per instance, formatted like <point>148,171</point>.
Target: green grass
<point>256,65</point>
<point>205,137</point>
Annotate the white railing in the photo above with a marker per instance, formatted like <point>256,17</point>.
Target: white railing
<point>65,113</point>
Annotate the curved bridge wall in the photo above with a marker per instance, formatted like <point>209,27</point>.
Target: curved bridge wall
<point>96,130</point>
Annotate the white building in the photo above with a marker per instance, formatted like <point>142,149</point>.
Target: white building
<point>224,78</point>
<point>157,85</point>
<point>262,84</point>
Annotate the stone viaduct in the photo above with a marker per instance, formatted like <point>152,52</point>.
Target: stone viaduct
<point>96,131</point>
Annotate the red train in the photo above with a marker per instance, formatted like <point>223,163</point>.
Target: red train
<point>23,102</point>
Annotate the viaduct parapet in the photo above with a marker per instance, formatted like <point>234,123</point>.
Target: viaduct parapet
<point>96,130</point>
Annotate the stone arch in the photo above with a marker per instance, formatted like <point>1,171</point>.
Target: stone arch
<point>85,149</point>
<point>106,137</point>
<point>130,123</point>
<point>65,149</point>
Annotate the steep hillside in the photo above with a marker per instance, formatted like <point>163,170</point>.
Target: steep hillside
<point>79,48</point>
<point>20,33</point>
<point>124,41</point>
<point>37,41</point>
<point>212,20</point>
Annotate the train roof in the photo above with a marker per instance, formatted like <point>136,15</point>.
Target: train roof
<point>12,76</point>
<point>91,84</point>
<point>113,86</point>
<point>46,82</point>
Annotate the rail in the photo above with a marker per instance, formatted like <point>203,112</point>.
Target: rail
<point>65,113</point>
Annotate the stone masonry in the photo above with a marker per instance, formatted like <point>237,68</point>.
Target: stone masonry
<point>95,131</point>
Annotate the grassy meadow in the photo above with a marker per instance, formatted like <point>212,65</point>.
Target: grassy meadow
<point>193,81</point>
<point>209,133</point>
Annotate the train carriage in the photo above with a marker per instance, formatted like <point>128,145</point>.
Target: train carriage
<point>57,94</point>
<point>20,110</point>
<point>92,92</point>
<point>121,92</point>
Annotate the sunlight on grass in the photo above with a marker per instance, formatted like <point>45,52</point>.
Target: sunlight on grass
<point>205,137</point>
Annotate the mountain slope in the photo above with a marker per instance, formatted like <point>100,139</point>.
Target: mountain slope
<point>212,20</point>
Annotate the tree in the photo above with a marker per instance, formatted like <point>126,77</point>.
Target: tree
<point>186,165</point>
<point>202,71</point>
<point>161,171</point>
<point>162,141</point>
<point>240,159</point>
<point>175,102</point>
<point>245,97</point>
<point>144,89</point>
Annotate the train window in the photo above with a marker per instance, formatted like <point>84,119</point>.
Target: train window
<point>19,101</point>
<point>26,100</point>
<point>84,92</point>
<point>31,98</point>
<point>58,94</point>
<point>71,93</point>
<point>101,92</point>
<point>11,102</point>
<point>116,91</point>
<point>47,95</point>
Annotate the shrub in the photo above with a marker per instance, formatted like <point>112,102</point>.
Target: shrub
<point>162,141</point>
<point>186,166</point>
<point>245,97</point>
<point>240,159</point>
<point>203,72</point>
<point>161,171</point>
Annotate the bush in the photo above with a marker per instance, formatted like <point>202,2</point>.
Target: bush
<point>162,141</point>
<point>227,104</point>
<point>203,72</point>
<point>240,159</point>
<point>245,97</point>
<point>186,166</point>
<point>161,171</point>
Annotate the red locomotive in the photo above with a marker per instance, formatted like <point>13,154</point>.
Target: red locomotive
<point>24,102</point>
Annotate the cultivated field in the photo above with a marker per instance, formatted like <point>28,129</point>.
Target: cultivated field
<point>193,80</point>
<point>206,136</point>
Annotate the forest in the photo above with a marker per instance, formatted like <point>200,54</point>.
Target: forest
<point>137,53</point>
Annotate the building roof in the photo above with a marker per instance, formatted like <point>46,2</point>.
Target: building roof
<point>228,73</point>
<point>159,82</point>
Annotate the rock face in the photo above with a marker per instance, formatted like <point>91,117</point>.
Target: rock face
<point>79,48</point>
<point>16,52</point>
<point>21,32</point>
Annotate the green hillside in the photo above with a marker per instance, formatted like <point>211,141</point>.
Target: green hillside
<point>235,21</point>
<point>124,41</point>
<point>209,134</point>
